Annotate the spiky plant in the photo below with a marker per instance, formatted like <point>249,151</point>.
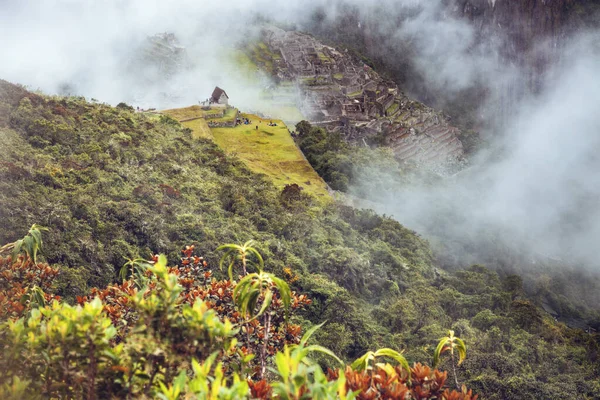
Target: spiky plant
<point>449,343</point>
<point>137,268</point>
<point>366,362</point>
<point>296,371</point>
<point>247,294</point>
<point>239,253</point>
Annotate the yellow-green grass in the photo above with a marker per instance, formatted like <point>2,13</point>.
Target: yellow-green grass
<point>193,118</point>
<point>181,114</point>
<point>199,128</point>
<point>270,150</point>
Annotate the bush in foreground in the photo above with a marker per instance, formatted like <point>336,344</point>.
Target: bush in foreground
<point>176,332</point>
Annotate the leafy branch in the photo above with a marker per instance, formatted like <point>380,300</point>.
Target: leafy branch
<point>30,244</point>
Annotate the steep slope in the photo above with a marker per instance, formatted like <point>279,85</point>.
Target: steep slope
<point>111,183</point>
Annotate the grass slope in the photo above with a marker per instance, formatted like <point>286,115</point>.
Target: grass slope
<point>270,150</point>
<point>199,128</point>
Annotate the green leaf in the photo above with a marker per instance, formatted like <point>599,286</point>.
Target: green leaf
<point>396,356</point>
<point>324,350</point>
<point>284,290</point>
<point>438,351</point>
<point>17,249</point>
<point>360,364</point>
<point>461,348</point>
<point>261,262</point>
<point>309,333</point>
<point>266,303</point>
<point>38,296</point>
<point>281,360</point>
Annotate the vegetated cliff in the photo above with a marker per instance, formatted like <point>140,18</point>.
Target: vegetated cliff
<point>111,183</point>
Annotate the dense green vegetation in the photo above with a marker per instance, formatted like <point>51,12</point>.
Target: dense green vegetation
<point>365,171</point>
<point>111,183</point>
<point>342,164</point>
<point>173,332</point>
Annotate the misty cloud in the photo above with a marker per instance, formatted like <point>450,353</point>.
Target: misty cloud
<point>88,44</point>
<point>541,193</point>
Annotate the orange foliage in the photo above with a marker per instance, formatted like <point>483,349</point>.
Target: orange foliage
<point>16,278</point>
<point>425,384</point>
<point>197,283</point>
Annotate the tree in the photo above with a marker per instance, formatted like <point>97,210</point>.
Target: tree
<point>449,343</point>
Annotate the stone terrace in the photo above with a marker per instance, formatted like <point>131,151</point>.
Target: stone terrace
<point>346,95</point>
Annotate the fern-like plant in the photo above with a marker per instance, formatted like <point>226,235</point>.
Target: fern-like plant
<point>449,343</point>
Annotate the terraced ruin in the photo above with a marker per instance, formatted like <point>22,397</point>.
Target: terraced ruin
<point>341,93</point>
<point>264,145</point>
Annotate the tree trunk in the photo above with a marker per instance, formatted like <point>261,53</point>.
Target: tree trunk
<point>454,371</point>
<point>263,357</point>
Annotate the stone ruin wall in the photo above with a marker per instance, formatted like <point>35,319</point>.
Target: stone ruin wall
<point>414,131</point>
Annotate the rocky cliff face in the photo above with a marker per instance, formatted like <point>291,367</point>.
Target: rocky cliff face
<point>527,34</point>
<point>532,31</point>
<point>154,71</point>
<point>160,57</point>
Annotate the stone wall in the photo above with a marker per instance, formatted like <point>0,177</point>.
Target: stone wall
<point>219,114</point>
<point>224,124</point>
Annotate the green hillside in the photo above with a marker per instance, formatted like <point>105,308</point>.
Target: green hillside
<point>268,150</point>
<point>110,183</point>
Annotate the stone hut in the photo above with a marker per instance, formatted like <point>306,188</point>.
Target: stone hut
<point>219,97</point>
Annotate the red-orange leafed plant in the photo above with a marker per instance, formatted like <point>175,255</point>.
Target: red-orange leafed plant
<point>197,282</point>
<point>19,280</point>
<point>393,383</point>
